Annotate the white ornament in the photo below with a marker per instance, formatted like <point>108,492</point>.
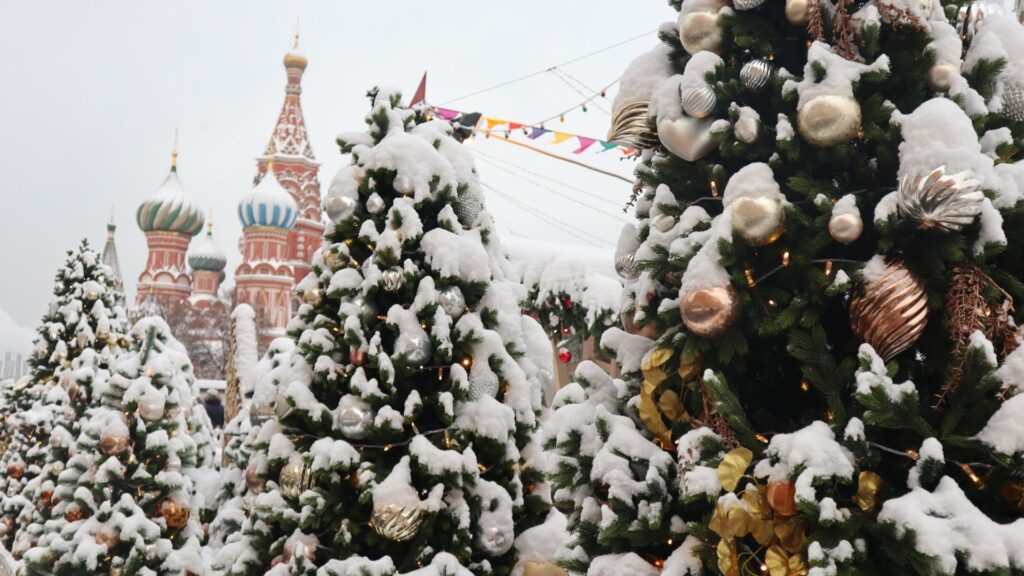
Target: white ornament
<point>494,540</point>
<point>151,407</point>
<point>374,204</point>
<point>452,301</point>
<point>483,383</point>
<point>687,138</point>
<point>415,346</point>
<point>468,206</point>
<point>353,417</point>
<point>339,207</point>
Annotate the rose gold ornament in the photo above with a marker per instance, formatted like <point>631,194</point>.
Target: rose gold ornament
<point>890,310</point>
<point>16,470</point>
<point>782,498</point>
<point>45,497</point>
<point>6,525</point>
<point>114,444</point>
<point>253,481</point>
<point>357,356</point>
<point>175,514</point>
<point>107,536</point>
<point>73,513</point>
<point>710,312</point>
<point>306,547</point>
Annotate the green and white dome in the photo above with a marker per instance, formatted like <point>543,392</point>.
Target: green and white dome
<point>170,209</point>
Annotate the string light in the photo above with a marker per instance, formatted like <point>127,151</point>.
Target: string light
<point>749,274</point>
<point>785,258</point>
<point>714,189</point>
<point>913,453</point>
<point>805,386</point>
<point>828,268</point>
<point>761,438</point>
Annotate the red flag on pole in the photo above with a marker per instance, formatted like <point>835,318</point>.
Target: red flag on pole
<point>421,92</point>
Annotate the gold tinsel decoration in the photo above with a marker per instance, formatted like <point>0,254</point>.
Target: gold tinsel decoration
<point>971,311</point>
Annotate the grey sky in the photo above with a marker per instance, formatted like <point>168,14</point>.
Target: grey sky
<point>93,91</point>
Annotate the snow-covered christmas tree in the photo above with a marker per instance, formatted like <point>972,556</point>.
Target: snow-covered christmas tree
<point>823,373</point>
<point>81,333</point>
<point>404,408</point>
<point>126,502</point>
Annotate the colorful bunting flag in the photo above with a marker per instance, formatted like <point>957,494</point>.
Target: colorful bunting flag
<point>584,144</point>
<point>469,120</point>
<point>561,137</point>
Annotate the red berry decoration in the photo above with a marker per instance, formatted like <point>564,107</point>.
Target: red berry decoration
<point>568,302</point>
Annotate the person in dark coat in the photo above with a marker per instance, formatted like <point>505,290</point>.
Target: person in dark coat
<point>215,410</point>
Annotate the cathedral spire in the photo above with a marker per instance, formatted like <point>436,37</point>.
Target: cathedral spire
<point>110,258</point>
<point>289,137</point>
<point>174,152</point>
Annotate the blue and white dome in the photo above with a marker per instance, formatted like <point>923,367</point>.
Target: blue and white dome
<point>170,209</point>
<point>269,204</point>
<point>205,255</point>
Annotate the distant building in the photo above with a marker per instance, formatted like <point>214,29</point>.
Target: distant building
<point>14,366</point>
<point>282,229</point>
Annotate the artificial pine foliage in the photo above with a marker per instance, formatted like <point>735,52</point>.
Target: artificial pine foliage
<point>126,501</point>
<point>834,387</point>
<point>400,424</point>
<point>81,333</point>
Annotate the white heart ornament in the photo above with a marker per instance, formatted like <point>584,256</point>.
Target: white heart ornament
<point>688,138</point>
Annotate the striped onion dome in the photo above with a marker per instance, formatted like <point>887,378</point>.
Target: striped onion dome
<point>170,209</point>
<point>205,255</point>
<point>268,204</point>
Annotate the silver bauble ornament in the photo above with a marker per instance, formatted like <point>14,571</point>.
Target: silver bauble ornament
<point>415,346</point>
<point>375,204</point>
<point>283,408</point>
<point>630,126</point>
<point>452,301</point>
<point>397,523</point>
<point>468,206</point>
<point>295,478</point>
<point>260,413</point>
<point>151,408</point>
<point>391,280</point>
<point>828,120</point>
<point>700,30</point>
<point>339,207</point>
<point>941,75</point>
<point>483,383</point>
<point>746,4</point>
<point>699,101</point>
<point>1013,100</point>
<point>798,12</point>
<point>688,138</point>
<point>353,417</point>
<point>747,129</point>
<point>626,267</point>
<point>940,201</point>
<point>759,221</point>
<point>756,74</point>
<point>845,228</point>
<point>662,222</point>
<point>495,540</point>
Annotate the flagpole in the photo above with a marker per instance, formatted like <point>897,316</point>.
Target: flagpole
<point>501,137</point>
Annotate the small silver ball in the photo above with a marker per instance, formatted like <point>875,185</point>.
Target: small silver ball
<point>756,74</point>
<point>699,102</point>
<point>452,301</point>
<point>354,417</point>
<point>626,267</point>
<point>339,207</point>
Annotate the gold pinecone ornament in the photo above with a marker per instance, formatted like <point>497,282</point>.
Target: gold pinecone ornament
<point>889,310</point>
<point>940,201</point>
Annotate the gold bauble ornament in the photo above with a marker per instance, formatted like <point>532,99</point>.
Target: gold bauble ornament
<point>114,444</point>
<point>845,228</point>
<point>175,514</point>
<point>700,30</point>
<point>798,12</point>
<point>397,523</point>
<point>294,478</point>
<point>116,571</point>
<point>313,297</point>
<point>107,536</point>
<point>781,497</point>
<point>828,120</point>
<point>710,312</point>
<point>941,75</point>
<point>535,568</point>
<point>332,259</point>
<point>758,220</point>
<point>889,310</point>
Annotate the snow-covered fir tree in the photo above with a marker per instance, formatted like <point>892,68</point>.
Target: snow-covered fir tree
<point>126,502</point>
<point>403,411</point>
<point>824,373</point>
<point>80,334</point>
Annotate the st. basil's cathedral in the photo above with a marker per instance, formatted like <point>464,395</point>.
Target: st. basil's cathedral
<point>282,228</point>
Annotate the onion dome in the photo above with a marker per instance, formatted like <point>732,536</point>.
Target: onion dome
<point>269,204</point>
<point>205,255</point>
<point>170,209</point>
<point>294,58</point>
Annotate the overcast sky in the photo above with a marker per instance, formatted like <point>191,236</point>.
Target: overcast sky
<point>93,92</point>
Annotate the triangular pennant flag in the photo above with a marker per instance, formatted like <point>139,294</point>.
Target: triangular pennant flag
<point>421,92</point>
<point>492,122</point>
<point>584,144</point>
<point>514,125</point>
<point>628,151</point>
<point>538,132</point>
<point>561,137</point>
<point>446,114</point>
<point>607,145</point>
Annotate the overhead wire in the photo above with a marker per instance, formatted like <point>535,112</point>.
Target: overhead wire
<point>546,70</point>
<point>589,93</point>
<point>569,229</point>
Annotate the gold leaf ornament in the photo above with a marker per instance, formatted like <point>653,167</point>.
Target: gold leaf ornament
<point>780,563</point>
<point>790,532</point>
<point>728,559</point>
<point>733,466</point>
<point>651,416</point>
<point>732,522</point>
<point>868,484</point>
<point>672,407</point>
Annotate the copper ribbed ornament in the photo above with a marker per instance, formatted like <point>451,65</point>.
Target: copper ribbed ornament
<point>398,523</point>
<point>889,310</point>
<point>630,126</point>
<point>940,201</point>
